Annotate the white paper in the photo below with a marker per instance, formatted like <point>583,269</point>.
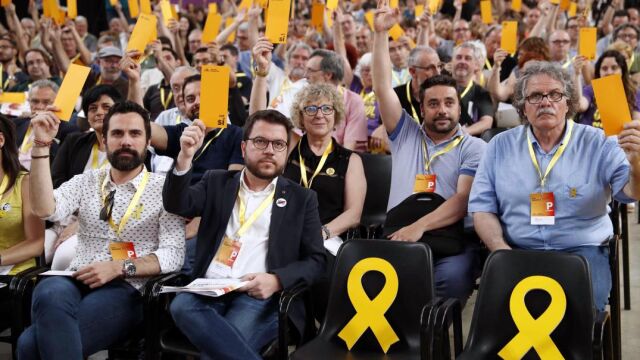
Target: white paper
<point>543,220</point>
<point>333,244</point>
<point>2,285</point>
<point>57,273</point>
<point>207,287</point>
<point>4,270</point>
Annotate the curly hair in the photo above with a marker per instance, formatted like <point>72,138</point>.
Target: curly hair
<point>314,92</point>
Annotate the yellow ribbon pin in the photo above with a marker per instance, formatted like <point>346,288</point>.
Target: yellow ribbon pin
<point>370,313</point>
<point>535,332</point>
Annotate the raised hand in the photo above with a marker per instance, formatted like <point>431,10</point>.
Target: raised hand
<point>629,140</point>
<point>499,56</point>
<point>190,141</point>
<point>262,53</point>
<point>45,124</point>
<point>129,66</point>
<point>385,17</point>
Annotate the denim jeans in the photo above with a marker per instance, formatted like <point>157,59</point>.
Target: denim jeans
<point>189,256</point>
<point>455,275</point>
<point>233,326</point>
<point>598,259</point>
<point>71,321</point>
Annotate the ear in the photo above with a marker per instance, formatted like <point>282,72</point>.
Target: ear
<point>243,147</point>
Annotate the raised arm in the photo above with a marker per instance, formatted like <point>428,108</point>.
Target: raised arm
<point>131,69</point>
<point>45,127</point>
<point>85,54</point>
<point>499,91</point>
<point>339,46</point>
<point>262,58</point>
<point>226,32</point>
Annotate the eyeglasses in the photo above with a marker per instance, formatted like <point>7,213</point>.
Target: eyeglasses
<point>628,36</point>
<point>309,70</point>
<point>312,110</point>
<point>536,98</point>
<point>107,206</point>
<point>261,144</point>
<point>560,42</point>
<point>461,30</point>
<point>430,68</point>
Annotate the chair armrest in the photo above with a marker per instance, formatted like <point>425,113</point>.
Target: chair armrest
<point>287,297</point>
<point>602,340</point>
<point>427,328</point>
<point>448,314</point>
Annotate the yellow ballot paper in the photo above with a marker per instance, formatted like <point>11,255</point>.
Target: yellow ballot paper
<point>434,5</point>
<point>278,21</point>
<point>134,8</point>
<point>13,97</point>
<point>419,11</point>
<point>113,2</point>
<point>145,6</point>
<point>555,2</point>
<point>564,4</point>
<point>58,15</point>
<point>143,32</point>
<point>573,9</point>
<point>70,89</point>
<point>214,105</point>
<point>211,27</point>
<point>47,8</point>
<point>612,103</point>
<point>167,14</point>
<point>332,4</point>
<point>396,32</point>
<point>485,11</point>
<point>516,5</point>
<point>317,16</point>
<point>509,41</point>
<point>588,40</point>
<point>6,2</point>
<point>213,8</point>
<point>369,17</point>
<point>393,4</point>
<point>72,9</point>
<point>232,36</point>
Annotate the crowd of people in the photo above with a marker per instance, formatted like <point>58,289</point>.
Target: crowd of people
<point>136,184</point>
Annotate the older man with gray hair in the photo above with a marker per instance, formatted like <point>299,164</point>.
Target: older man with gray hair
<point>546,185</point>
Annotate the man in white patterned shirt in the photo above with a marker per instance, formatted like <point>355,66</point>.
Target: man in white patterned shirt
<point>125,236</point>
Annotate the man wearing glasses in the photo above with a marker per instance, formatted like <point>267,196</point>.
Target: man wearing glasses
<point>256,226</point>
<point>124,237</point>
<point>546,185</point>
<point>559,49</point>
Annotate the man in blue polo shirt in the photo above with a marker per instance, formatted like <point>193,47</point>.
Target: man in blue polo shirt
<point>438,149</point>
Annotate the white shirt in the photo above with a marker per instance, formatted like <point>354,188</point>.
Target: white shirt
<point>283,99</point>
<point>162,164</point>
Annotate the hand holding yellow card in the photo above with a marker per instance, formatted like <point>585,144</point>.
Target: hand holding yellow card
<point>612,103</point>
<point>509,41</point>
<point>167,14</point>
<point>278,21</point>
<point>143,33</point>
<point>214,105</point>
<point>485,11</point>
<point>211,26</point>
<point>588,41</point>
<point>70,89</point>
<point>134,9</point>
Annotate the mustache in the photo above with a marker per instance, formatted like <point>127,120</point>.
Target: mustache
<point>544,111</point>
<point>442,118</point>
<point>125,151</point>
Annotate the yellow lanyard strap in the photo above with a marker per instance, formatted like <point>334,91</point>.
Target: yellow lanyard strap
<point>466,90</point>
<point>165,102</point>
<point>94,157</point>
<point>245,225</point>
<point>567,63</point>
<point>555,157</point>
<point>204,148</point>
<point>366,97</point>
<point>413,110</point>
<point>117,228</point>
<point>303,169</point>
<point>178,119</point>
<point>428,160</point>
<point>3,185</point>
<point>633,58</point>
<point>26,144</point>
<point>487,64</point>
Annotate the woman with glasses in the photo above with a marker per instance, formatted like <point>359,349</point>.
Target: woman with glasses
<point>319,163</point>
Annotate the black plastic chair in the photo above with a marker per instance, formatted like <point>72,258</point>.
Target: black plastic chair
<point>488,134</point>
<point>409,314</point>
<point>377,170</point>
<point>582,333</point>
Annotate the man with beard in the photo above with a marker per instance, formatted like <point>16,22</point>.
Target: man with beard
<point>438,149</point>
<point>245,211</point>
<point>282,86</point>
<point>11,73</point>
<point>125,236</point>
<point>477,108</point>
<point>109,71</point>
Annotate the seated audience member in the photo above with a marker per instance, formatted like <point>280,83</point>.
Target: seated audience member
<point>39,66</point>
<point>159,97</point>
<point>362,85</point>
<point>554,162</point>
<point>278,237</point>
<point>108,71</point>
<point>437,148</point>
<point>75,316</point>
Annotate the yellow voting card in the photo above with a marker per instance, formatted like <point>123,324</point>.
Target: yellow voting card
<point>6,2</point>
<point>167,14</point>
<point>59,16</point>
<point>332,4</point>
<point>13,97</point>
<point>72,9</point>
<point>278,21</point>
<point>564,4</point>
<point>485,11</point>
<point>516,5</point>
<point>214,96</point>
<point>145,6</point>
<point>317,16</point>
<point>509,41</point>
<point>419,11</point>
<point>393,4</point>
<point>232,36</point>
<point>213,8</point>
<point>134,8</point>
<point>369,15</point>
<point>612,103</point>
<point>143,32</point>
<point>588,40</point>
<point>70,89</point>
<point>556,2</point>
<point>573,9</point>
<point>211,27</point>
<point>396,32</point>
<point>113,2</point>
<point>47,8</point>
<point>434,5</point>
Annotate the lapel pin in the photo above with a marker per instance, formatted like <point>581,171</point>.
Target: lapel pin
<point>281,202</point>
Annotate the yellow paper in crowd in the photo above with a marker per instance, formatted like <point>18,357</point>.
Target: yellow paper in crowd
<point>555,2</point>
<point>317,16</point>
<point>143,33</point>
<point>332,4</point>
<point>165,7</point>
<point>211,27</point>
<point>419,11</point>
<point>509,41</point>
<point>214,105</point>
<point>245,4</point>
<point>213,8</point>
<point>113,2</point>
<point>175,9</point>
<point>134,9</point>
<point>47,8</point>
<point>5,2</point>
<point>396,32</point>
<point>564,4</point>
<point>587,43</point>
<point>72,9</point>
<point>434,5</point>
<point>232,36</point>
<point>516,5</point>
<point>145,6</point>
<point>263,3</point>
<point>393,4</point>
<point>70,89</point>
<point>485,11</point>
<point>612,103</point>
<point>59,15</point>
<point>369,17</point>
<point>278,21</point>
<point>573,9</point>
<point>13,97</point>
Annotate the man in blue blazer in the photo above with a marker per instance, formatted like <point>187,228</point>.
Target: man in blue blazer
<point>256,226</point>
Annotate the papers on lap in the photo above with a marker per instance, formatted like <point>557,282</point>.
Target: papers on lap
<point>57,273</point>
<point>207,287</point>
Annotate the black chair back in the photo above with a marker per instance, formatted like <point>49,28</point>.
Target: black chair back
<point>488,134</point>
<point>413,265</point>
<point>377,170</point>
<point>492,326</point>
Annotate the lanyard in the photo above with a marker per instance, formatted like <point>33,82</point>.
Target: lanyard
<point>429,160</point>
<point>555,157</point>
<point>117,228</point>
<point>567,63</point>
<point>466,90</point>
<point>487,64</point>
<point>94,157</point>
<point>26,143</point>
<point>99,81</point>
<point>178,119</point>
<point>286,84</point>
<point>303,169</point>
<point>204,148</point>
<point>633,58</point>
<point>6,82</point>
<point>413,110</point>
<point>397,79</point>
<point>366,97</point>
<point>245,225</point>
<point>163,100</point>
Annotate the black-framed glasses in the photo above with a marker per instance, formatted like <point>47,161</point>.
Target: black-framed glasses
<point>107,206</point>
<point>312,110</point>
<point>536,98</point>
<point>430,68</point>
<point>261,143</point>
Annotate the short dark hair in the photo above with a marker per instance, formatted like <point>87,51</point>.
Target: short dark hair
<point>438,80</point>
<point>232,49</point>
<point>126,107</point>
<point>331,63</point>
<point>621,13</point>
<point>190,79</point>
<point>95,93</point>
<point>270,116</point>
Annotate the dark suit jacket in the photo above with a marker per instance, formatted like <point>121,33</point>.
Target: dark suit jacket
<point>22,124</point>
<point>295,250</point>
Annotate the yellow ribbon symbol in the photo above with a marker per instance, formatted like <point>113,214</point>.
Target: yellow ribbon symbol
<point>535,332</point>
<point>370,313</point>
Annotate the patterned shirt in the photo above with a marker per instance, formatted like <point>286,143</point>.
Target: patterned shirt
<point>151,229</point>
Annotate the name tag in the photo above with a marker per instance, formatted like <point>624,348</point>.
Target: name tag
<point>122,250</point>
<point>226,256</point>
<point>425,183</point>
<point>542,208</point>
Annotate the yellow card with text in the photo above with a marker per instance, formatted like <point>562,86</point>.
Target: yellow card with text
<point>214,105</point>
<point>70,89</point>
<point>587,43</point>
<point>419,11</point>
<point>278,21</point>
<point>143,32</point>
<point>509,41</point>
<point>317,16</point>
<point>167,14</point>
<point>145,6</point>
<point>134,9</point>
<point>396,32</point>
<point>612,103</point>
<point>13,97</point>
<point>516,5</point>
<point>573,9</point>
<point>485,11</point>
<point>72,9</point>
<point>332,4</point>
<point>211,27</point>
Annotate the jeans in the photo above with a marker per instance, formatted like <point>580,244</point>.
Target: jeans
<point>598,259</point>
<point>71,321</point>
<point>189,256</point>
<point>233,326</point>
<point>455,275</point>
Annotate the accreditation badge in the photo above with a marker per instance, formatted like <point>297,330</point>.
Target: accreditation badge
<point>425,183</point>
<point>226,256</point>
<point>122,250</point>
<point>542,208</point>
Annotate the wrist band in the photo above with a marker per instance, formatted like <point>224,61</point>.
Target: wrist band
<point>40,143</point>
<point>40,157</point>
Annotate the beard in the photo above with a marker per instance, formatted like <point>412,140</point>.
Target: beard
<point>441,129</point>
<point>193,113</point>
<point>124,163</point>
<point>297,72</point>
<point>262,170</point>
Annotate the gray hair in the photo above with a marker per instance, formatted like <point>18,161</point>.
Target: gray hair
<point>81,18</point>
<point>314,92</point>
<point>554,71</point>
<point>365,60</point>
<point>296,46</point>
<point>414,54</point>
<point>477,52</point>
<point>331,63</point>
<point>43,83</point>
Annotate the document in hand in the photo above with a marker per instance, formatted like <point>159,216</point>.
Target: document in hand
<point>207,287</point>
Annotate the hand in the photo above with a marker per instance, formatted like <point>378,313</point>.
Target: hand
<point>45,124</point>
<point>457,4</point>
<point>173,26</point>
<point>410,233</point>
<point>214,49</point>
<point>262,54</point>
<point>68,232</point>
<point>629,140</point>
<point>130,67</point>
<point>378,138</point>
<point>385,17</point>
<point>337,16</point>
<point>578,64</point>
<point>240,16</point>
<point>261,286</point>
<point>254,12</point>
<point>425,20</point>
<point>118,6</point>
<point>156,47</point>
<point>498,57</point>
<point>192,139</point>
<point>98,274</point>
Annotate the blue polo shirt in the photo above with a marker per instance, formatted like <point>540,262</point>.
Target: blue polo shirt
<point>591,169</point>
<point>221,152</point>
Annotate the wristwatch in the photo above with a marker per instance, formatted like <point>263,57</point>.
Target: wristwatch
<point>128,268</point>
<point>261,73</point>
<point>326,232</point>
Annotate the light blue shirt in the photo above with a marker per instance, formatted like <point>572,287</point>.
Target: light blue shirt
<point>591,168</point>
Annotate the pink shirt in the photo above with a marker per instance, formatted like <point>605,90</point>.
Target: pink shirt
<point>354,127</point>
